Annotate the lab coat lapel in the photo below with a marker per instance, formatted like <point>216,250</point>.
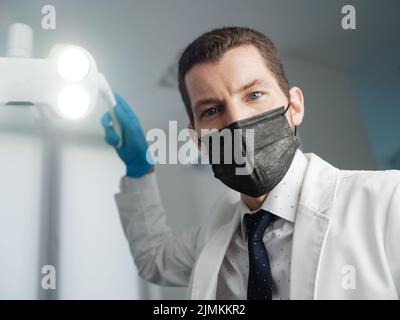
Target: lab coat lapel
<point>311,226</point>
<point>209,263</point>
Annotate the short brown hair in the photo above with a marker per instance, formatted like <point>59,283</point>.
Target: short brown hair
<point>212,45</point>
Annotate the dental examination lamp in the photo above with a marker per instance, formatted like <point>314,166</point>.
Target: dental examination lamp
<point>67,81</point>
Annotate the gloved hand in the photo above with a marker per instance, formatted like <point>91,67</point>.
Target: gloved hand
<point>134,146</point>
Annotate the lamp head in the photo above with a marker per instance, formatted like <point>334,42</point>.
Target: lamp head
<point>67,80</point>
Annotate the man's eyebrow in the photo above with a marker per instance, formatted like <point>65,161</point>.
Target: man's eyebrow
<point>251,84</point>
<point>199,103</point>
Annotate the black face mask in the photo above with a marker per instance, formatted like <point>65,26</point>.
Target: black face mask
<point>253,166</point>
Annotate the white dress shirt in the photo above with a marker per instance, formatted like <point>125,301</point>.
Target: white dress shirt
<point>282,201</point>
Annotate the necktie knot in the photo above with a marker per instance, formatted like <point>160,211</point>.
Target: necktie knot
<point>256,223</point>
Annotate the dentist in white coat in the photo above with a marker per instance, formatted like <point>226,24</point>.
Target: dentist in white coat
<point>331,234</point>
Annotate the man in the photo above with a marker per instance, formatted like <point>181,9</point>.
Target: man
<point>295,228</point>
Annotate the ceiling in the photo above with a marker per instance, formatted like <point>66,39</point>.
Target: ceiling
<point>307,28</point>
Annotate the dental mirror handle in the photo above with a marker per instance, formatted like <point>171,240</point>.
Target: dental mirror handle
<point>108,95</point>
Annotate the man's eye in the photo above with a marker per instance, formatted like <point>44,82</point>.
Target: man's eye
<point>210,112</point>
<point>255,95</point>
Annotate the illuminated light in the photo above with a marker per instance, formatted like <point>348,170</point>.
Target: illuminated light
<point>73,102</point>
<point>73,65</point>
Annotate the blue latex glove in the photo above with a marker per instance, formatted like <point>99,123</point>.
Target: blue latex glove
<point>134,146</point>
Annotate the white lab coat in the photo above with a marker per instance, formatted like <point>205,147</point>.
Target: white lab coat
<point>344,242</point>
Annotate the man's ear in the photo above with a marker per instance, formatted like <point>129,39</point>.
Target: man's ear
<point>196,139</point>
<point>297,103</point>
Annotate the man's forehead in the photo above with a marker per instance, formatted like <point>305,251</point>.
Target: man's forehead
<point>230,73</point>
<point>237,62</point>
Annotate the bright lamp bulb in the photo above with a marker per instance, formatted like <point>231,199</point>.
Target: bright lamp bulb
<point>73,102</point>
<point>73,65</point>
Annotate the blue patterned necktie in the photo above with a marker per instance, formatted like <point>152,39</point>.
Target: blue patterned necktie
<point>259,285</point>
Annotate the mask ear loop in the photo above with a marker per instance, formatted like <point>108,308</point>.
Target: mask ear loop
<point>287,108</point>
<point>295,127</point>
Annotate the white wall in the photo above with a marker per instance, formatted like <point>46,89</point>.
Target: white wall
<point>94,261</point>
<point>20,185</point>
<point>378,93</point>
<point>332,127</point>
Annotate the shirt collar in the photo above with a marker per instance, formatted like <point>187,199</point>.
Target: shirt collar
<point>283,200</point>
